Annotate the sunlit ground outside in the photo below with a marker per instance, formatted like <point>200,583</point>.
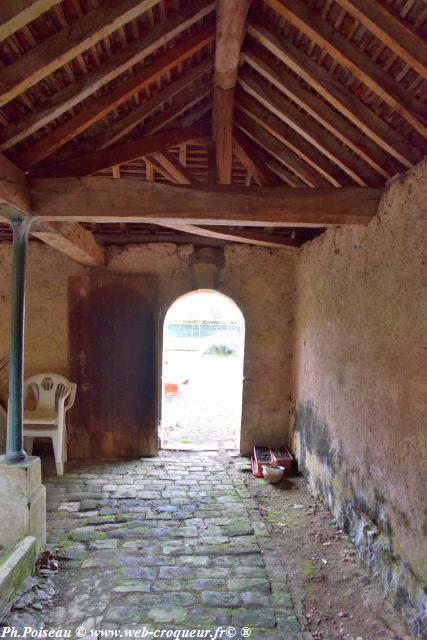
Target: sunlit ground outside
<point>203,349</point>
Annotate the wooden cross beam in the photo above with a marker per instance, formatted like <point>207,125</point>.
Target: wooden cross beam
<point>108,200</point>
<point>84,165</point>
<point>71,239</point>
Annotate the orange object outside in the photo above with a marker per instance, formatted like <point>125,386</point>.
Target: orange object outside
<point>171,388</point>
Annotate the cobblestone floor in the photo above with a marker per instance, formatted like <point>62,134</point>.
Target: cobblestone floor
<point>191,541</point>
<point>166,542</point>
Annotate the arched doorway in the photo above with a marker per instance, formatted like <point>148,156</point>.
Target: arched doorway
<point>202,374</point>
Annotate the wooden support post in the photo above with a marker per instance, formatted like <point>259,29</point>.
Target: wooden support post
<point>15,440</point>
<point>230,31</point>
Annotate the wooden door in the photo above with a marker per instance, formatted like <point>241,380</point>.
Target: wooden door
<point>113,338</point>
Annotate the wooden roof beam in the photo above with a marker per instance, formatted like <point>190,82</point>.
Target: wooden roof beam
<point>74,241</point>
<point>253,161</point>
<point>277,150</point>
<point>240,235</point>
<point>68,238</point>
<point>108,200</point>
<point>121,153</point>
<point>306,127</point>
<point>102,106</point>
<point>45,58</point>
<point>117,130</point>
<point>230,31</point>
<point>398,36</point>
<point>320,110</point>
<point>337,95</point>
<point>175,169</point>
<point>196,92</point>
<point>181,175</point>
<point>16,14</point>
<point>282,172</point>
<point>134,53</point>
<point>349,56</point>
<point>328,172</point>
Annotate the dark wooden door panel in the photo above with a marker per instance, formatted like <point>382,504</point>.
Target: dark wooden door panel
<point>113,358</point>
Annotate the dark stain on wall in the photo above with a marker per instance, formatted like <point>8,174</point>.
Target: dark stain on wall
<point>362,511</point>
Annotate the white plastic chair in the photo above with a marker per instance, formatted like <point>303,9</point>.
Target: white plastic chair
<point>53,396</point>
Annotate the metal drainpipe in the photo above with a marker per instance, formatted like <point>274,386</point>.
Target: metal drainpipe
<point>15,440</point>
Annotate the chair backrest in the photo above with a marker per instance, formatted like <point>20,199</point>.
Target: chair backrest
<point>47,389</point>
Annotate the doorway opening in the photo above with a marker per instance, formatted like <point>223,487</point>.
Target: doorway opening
<point>203,352</point>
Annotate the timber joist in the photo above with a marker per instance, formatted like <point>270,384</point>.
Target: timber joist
<point>258,95</point>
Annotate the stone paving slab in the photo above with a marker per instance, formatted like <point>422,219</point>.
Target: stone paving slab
<point>169,542</point>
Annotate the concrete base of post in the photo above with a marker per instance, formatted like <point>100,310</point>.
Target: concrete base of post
<point>22,503</point>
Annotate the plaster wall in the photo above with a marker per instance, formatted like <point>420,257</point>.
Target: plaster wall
<point>260,281</point>
<point>360,385</point>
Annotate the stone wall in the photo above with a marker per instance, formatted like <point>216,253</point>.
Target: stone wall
<point>361,386</point>
<point>260,281</point>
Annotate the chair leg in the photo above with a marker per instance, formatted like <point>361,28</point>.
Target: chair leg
<point>28,445</point>
<point>64,446</point>
<point>57,450</point>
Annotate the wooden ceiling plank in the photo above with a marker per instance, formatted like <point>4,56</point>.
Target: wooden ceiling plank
<point>56,51</point>
<point>337,95</point>
<point>359,63</point>
<point>330,173</point>
<point>16,14</point>
<point>120,153</point>
<point>108,102</point>
<point>70,239</point>
<point>125,125</point>
<point>135,52</point>
<point>277,150</point>
<point>305,126</point>
<point>230,31</point>
<point>398,36</point>
<point>320,110</point>
<point>253,161</point>
<point>107,200</point>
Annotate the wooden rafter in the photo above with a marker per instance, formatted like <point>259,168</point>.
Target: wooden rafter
<point>16,14</point>
<point>108,200</point>
<point>125,125</point>
<point>252,161</point>
<point>181,175</point>
<point>398,36</point>
<point>327,170</point>
<point>71,239</point>
<point>196,92</point>
<point>121,153</point>
<point>337,95</point>
<point>68,43</point>
<point>175,169</point>
<point>277,150</point>
<point>363,68</point>
<point>282,172</point>
<point>239,235</point>
<point>230,31</point>
<point>333,122</point>
<point>108,102</point>
<point>65,99</point>
<point>306,127</point>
